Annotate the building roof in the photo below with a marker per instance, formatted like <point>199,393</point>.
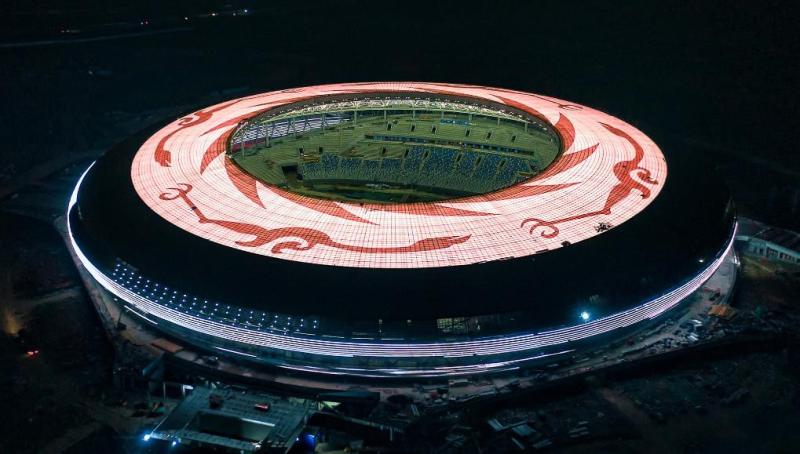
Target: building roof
<point>784,238</point>
<point>234,423</point>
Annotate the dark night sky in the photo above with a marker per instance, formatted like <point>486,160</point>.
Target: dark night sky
<point>710,79</point>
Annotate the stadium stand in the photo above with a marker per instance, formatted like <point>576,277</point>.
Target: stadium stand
<point>436,153</point>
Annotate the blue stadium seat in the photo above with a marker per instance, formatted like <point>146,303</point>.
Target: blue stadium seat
<point>447,168</point>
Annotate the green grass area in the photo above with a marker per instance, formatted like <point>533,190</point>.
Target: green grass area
<point>402,157</point>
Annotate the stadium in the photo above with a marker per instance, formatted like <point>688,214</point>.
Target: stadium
<point>398,229</point>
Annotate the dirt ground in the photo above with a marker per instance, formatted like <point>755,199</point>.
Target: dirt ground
<point>727,401</point>
<point>55,360</point>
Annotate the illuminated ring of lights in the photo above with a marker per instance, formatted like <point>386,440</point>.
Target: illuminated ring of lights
<point>482,347</point>
<point>607,173</point>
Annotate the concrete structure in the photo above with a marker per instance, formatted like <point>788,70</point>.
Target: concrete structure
<point>234,421</point>
<point>770,242</point>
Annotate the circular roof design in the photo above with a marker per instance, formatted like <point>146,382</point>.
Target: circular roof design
<point>607,173</point>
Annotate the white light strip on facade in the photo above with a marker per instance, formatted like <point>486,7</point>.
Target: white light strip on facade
<point>135,312</point>
<point>315,346</point>
<point>237,352</point>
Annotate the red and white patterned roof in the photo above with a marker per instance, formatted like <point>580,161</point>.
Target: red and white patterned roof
<point>609,172</point>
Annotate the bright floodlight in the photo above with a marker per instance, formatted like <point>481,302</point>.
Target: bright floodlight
<point>585,316</point>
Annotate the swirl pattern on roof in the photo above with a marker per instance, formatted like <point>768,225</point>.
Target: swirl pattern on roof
<point>607,172</point>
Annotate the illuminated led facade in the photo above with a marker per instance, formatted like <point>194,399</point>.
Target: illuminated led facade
<point>608,172</point>
<point>563,250</point>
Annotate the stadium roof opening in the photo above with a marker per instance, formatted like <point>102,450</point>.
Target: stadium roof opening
<point>395,148</point>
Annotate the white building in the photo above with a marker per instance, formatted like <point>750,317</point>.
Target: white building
<point>770,242</point>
